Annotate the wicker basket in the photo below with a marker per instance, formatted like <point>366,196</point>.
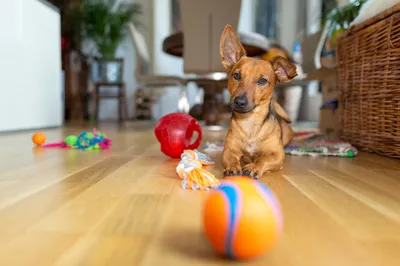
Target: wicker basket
<point>368,57</point>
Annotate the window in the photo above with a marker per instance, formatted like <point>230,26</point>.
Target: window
<point>266,18</point>
<point>175,16</point>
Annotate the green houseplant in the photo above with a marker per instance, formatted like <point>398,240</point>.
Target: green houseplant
<point>99,24</point>
<point>341,17</point>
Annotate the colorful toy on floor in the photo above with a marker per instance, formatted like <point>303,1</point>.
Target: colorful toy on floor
<point>190,170</point>
<point>39,138</point>
<point>308,143</point>
<point>174,132</point>
<point>95,140</point>
<point>320,145</point>
<point>242,218</point>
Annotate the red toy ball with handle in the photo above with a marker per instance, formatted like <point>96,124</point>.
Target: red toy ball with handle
<point>175,131</point>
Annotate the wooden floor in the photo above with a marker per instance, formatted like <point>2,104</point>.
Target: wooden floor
<point>126,207</point>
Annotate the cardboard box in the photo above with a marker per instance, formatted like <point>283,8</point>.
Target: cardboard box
<point>328,79</point>
<point>327,76</point>
<point>329,87</point>
<point>318,67</point>
<point>309,49</point>
<point>318,55</point>
<point>329,122</point>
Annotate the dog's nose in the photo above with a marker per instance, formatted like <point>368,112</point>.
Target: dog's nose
<point>240,101</point>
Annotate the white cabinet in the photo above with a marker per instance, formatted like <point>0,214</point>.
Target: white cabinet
<point>31,91</point>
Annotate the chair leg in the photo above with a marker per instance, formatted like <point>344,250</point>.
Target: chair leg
<point>126,115</point>
<point>87,99</point>
<point>123,111</point>
<point>183,102</point>
<point>153,97</point>
<point>209,105</point>
<point>96,102</point>
<point>120,116</point>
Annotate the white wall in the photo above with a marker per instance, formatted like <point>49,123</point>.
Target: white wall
<point>156,26</point>
<point>30,66</point>
<point>247,19</point>
<point>287,17</point>
<point>312,99</point>
<point>313,16</point>
<point>164,64</point>
<point>157,22</point>
<point>109,108</point>
<point>288,12</point>
<point>288,33</point>
<point>169,65</point>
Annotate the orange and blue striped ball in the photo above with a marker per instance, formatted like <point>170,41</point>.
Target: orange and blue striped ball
<point>242,218</point>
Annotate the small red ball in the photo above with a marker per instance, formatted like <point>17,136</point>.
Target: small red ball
<point>39,138</point>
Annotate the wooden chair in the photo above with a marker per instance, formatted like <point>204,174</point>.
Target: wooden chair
<point>203,23</point>
<point>76,70</point>
<point>120,95</point>
<point>144,76</point>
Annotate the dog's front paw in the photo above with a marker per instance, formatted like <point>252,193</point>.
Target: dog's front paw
<point>251,170</point>
<point>232,171</point>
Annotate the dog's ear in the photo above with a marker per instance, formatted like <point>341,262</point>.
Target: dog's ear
<point>230,48</point>
<point>284,70</point>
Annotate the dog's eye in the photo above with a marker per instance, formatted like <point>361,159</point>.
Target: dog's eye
<point>236,75</point>
<point>262,82</point>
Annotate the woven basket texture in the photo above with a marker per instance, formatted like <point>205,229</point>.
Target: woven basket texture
<point>368,58</point>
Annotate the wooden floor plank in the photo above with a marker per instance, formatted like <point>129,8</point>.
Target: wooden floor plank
<point>41,204</point>
<point>30,181</point>
<point>383,182</point>
<point>134,215</point>
<point>313,234</point>
<point>86,210</point>
<point>126,206</point>
<point>358,219</point>
<point>94,250</point>
<point>33,248</point>
<point>381,202</point>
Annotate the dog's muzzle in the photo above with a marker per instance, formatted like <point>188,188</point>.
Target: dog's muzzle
<point>240,104</point>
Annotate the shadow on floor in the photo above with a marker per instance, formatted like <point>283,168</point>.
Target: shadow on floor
<point>192,244</point>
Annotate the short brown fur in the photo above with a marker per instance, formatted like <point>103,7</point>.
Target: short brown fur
<point>259,128</point>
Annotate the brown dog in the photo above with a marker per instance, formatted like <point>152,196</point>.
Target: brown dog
<point>259,128</point>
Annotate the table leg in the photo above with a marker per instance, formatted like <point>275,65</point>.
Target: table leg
<point>213,103</point>
<point>96,102</point>
<point>209,112</point>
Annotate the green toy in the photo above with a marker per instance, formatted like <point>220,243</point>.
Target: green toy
<point>85,141</point>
